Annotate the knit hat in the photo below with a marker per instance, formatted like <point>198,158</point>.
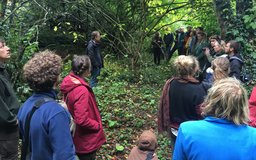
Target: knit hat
<point>145,148</point>
<point>147,141</point>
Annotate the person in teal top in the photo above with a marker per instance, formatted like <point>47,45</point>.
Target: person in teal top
<point>224,133</point>
<point>199,53</point>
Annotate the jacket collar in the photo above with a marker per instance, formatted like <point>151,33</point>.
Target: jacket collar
<point>52,93</point>
<point>2,66</point>
<point>187,80</point>
<point>218,120</point>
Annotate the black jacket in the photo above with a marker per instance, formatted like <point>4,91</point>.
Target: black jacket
<point>93,51</point>
<point>236,64</point>
<point>185,99</point>
<point>9,107</point>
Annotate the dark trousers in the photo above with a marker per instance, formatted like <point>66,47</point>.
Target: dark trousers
<point>9,149</point>
<point>168,52</point>
<point>181,51</point>
<point>87,156</point>
<point>174,48</point>
<point>157,55</point>
<point>94,74</point>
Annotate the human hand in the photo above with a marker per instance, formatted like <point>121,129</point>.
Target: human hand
<point>207,51</point>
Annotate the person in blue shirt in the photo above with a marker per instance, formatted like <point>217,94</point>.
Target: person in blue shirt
<point>224,133</point>
<point>50,137</point>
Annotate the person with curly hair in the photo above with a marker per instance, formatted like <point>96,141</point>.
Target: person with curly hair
<point>49,134</point>
<point>224,132</point>
<point>181,96</point>
<point>81,102</point>
<point>9,106</point>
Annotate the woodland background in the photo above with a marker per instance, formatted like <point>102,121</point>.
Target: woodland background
<point>130,84</point>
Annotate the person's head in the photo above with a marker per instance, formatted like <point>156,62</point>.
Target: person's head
<point>42,71</point>
<point>199,29</point>
<point>95,36</point>
<point>186,66</point>
<point>227,99</point>
<point>81,65</point>
<point>213,39</point>
<point>4,51</point>
<point>232,47</point>
<point>220,67</point>
<point>147,141</point>
<point>189,28</point>
<point>192,33</point>
<point>201,36</point>
<point>219,46</point>
<point>157,34</point>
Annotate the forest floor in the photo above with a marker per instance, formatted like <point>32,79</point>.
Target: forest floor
<point>128,102</point>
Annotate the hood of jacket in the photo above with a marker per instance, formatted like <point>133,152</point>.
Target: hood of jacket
<point>236,57</point>
<point>72,81</point>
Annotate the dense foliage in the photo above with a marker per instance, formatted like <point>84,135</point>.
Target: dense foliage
<point>130,85</point>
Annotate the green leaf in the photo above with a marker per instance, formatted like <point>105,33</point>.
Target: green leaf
<point>55,28</point>
<point>111,123</point>
<point>119,147</point>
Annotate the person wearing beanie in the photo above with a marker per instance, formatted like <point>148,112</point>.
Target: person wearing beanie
<point>146,147</point>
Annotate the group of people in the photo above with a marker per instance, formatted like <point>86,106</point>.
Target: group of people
<point>41,122</point>
<point>197,113</point>
<point>207,119</point>
<point>195,42</point>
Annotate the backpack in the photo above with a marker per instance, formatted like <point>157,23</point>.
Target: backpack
<point>72,125</point>
<point>245,76</point>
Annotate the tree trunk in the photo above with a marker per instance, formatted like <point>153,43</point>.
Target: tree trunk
<point>12,9</point>
<point>242,6</point>
<point>224,15</point>
<point>3,8</point>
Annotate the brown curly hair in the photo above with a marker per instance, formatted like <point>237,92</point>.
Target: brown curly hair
<point>42,71</point>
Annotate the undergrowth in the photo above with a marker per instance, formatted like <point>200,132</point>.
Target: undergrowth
<point>128,102</point>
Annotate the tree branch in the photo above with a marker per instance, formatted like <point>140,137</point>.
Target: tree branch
<point>21,4</point>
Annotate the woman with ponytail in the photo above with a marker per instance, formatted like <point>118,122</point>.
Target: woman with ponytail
<point>82,105</point>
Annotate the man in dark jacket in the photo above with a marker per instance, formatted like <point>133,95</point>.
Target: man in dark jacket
<point>9,107</point>
<point>235,59</point>
<point>93,51</point>
<point>168,40</point>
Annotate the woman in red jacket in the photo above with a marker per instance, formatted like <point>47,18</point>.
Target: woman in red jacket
<point>81,102</point>
<point>252,107</point>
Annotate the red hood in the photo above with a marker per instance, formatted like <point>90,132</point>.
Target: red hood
<point>252,100</point>
<point>70,82</point>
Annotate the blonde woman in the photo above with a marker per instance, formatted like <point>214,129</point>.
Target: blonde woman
<point>181,96</point>
<point>224,133</point>
<point>220,69</point>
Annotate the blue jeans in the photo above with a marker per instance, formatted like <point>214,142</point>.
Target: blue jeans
<point>94,74</point>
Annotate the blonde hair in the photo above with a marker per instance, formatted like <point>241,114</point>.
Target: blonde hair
<point>221,43</point>
<point>227,99</point>
<point>220,66</point>
<point>186,65</point>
